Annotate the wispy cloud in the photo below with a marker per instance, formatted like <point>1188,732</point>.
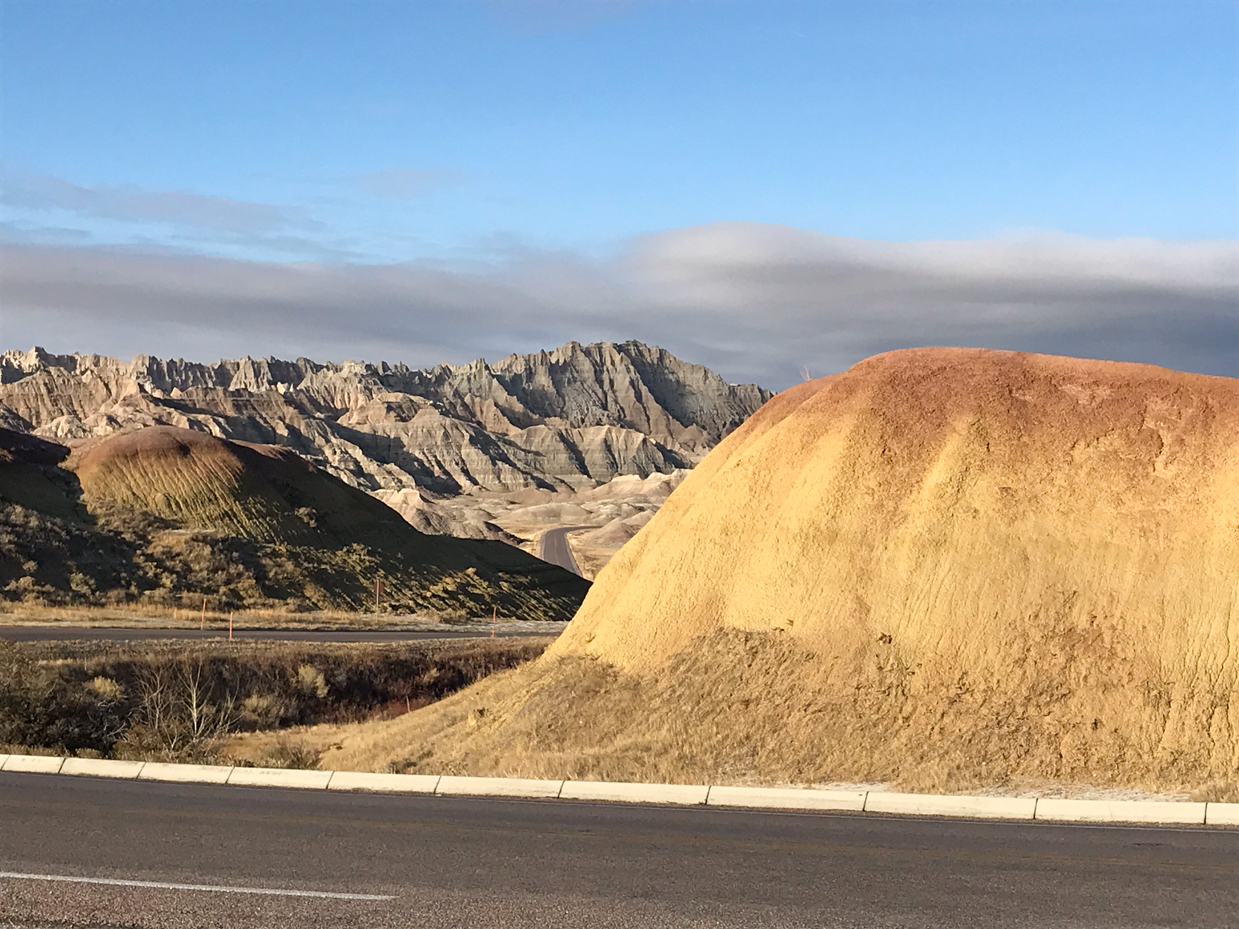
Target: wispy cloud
<point>18,231</point>
<point>757,302</point>
<point>405,183</point>
<point>132,204</point>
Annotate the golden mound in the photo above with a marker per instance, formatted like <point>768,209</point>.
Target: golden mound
<point>262,492</point>
<point>944,568</point>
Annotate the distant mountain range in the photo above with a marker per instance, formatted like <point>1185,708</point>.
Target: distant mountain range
<point>569,419</point>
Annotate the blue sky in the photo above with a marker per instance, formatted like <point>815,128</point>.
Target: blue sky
<point>494,140</point>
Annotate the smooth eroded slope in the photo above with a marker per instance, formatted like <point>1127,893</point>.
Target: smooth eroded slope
<point>957,501</point>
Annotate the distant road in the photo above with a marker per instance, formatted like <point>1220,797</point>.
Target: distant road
<point>253,858</point>
<point>119,634</point>
<point>555,547</point>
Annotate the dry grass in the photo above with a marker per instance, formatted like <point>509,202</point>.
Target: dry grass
<point>20,748</point>
<point>286,752</point>
<point>165,617</point>
<point>1217,792</point>
<point>744,707</point>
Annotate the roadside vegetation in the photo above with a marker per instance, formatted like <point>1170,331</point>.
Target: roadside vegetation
<point>176,701</point>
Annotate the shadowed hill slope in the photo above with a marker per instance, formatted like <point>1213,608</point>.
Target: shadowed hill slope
<point>177,511</point>
<point>946,568</point>
<point>29,475</point>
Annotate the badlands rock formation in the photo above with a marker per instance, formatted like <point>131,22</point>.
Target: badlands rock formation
<point>941,568</point>
<point>575,417</point>
<point>611,514</point>
<point>454,450</point>
<point>261,492</point>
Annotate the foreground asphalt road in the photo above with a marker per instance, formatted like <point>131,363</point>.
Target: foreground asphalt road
<point>493,863</point>
<point>554,547</point>
<point>121,634</point>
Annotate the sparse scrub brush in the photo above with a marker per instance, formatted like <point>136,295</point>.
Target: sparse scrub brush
<point>286,753</point>
<point>311,681</point>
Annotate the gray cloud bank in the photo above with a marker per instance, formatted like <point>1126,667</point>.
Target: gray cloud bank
<point>756,302</point>
<point>136,205</point>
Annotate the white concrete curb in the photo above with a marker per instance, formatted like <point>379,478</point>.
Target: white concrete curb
<point>1026,809</point>
<point>33,764</point>
<point>450,786</point>
<point>185,773</point>
<point>679,794</point>
<point>1121,811</point>
<point>280,777</point>
<point>1222,814</point>
<point>787,798</point>
<point>97,767</point>
<point>384,783</point>
<point>881,801</point>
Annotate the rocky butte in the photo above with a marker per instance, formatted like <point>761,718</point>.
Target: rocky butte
<point>943,568</point>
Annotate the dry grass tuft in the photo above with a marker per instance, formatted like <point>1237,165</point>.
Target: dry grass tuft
<point>1217,792</point>
<point>287,753</point>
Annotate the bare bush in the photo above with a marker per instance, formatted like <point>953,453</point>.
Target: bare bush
<point>180,715</point>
